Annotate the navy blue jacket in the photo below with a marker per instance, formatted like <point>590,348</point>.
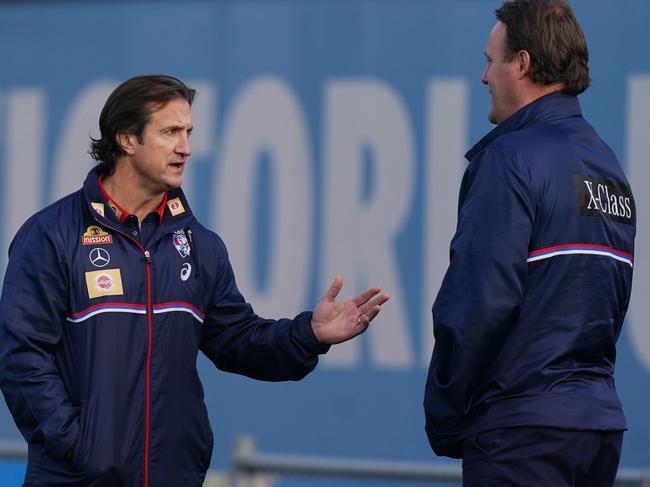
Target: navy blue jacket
<point>99,335</point>
<point>531,307</point>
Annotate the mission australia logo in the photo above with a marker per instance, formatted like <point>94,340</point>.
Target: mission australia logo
<point>605,197</point>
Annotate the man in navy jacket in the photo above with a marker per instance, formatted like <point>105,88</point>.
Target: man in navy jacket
<point>520,384</point>
<point>108,297</point>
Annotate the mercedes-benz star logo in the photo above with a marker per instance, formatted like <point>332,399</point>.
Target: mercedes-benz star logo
<point>99,257</point>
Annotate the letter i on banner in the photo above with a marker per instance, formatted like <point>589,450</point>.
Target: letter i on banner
<point>23,161</point>
<point>637,149</point>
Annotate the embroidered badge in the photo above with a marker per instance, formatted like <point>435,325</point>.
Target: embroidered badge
<point>180,242</point>
<point>106,282</point>
<point>95,236</point>
<point>175,206</point>
<point>98,207</point>
<point>606,198</point>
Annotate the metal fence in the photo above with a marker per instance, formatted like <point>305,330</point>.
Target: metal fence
<point>249,465</point>
<point>13,450</point>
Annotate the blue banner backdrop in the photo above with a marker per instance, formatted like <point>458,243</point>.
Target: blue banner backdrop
<point>329,138</point>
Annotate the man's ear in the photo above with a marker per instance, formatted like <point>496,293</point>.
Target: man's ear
<point>525,64</point>
<point>126,142</point>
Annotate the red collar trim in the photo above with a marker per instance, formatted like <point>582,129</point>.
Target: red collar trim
<point>161,209</point>
<point>120,212</point>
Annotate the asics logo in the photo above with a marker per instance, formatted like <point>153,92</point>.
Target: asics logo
<point>186,270</point>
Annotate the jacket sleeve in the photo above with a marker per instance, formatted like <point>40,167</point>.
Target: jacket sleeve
<point>32,311</point>
<point>480,296</point>
<point>236,340</point>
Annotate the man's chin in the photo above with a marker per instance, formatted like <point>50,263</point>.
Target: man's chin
<point>174,183</point>
<point>495,117</point>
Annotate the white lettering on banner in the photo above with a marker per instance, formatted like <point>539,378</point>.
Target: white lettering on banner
<point>446,139</point>
<point>368,188</point>
<point>22,176</point>
<point>637,149</point>
<point>203,135</point>
<point>72,162</point>
<point>360,236</point>
<point>266,116</point>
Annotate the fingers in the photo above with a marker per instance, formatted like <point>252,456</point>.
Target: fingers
<point>365,296</point>
<point>334,289</point>
<point>372,309</point>
<point>373,312</point>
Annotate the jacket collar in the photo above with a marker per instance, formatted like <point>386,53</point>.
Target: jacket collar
<point>176,208</point>
<point>549,107</point>
<point>120,212</point>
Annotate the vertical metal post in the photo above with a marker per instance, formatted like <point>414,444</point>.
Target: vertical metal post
<point>244,448</point>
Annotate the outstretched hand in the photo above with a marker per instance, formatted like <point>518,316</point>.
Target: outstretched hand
<point>336,322</point>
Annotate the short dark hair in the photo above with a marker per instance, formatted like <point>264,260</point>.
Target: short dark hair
<point>128,109</point>
<point>550,33</point>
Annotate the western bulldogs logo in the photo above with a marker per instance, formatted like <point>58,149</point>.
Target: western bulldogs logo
<point>180,242</point>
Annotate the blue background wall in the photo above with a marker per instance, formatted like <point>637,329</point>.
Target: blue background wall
<point>329,139</point>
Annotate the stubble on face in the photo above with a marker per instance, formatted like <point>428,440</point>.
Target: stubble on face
<point>164,146</point>
<point>500,76</point>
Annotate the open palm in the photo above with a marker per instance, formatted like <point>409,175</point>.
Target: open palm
<point>335,322</point>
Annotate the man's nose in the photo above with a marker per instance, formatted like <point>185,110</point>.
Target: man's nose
<point>183,146</point>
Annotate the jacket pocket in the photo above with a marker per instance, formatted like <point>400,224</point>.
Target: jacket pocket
<point>79,450</point>
<point>486,442</point>
<point>207,438</point>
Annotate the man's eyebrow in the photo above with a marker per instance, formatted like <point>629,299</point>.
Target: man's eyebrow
<point>177,126</point>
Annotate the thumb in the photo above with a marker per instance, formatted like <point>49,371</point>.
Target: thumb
<point>334,290</point>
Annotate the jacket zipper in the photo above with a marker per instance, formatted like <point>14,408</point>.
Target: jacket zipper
<point>147,256</point>
<point>147,409</point>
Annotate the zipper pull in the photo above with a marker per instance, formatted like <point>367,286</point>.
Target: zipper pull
<point>189,235</point>
<point>147,256</point>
